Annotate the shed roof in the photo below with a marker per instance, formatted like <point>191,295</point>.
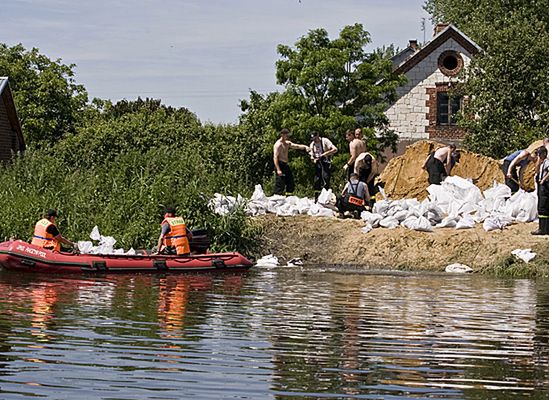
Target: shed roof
<point>7,98</point>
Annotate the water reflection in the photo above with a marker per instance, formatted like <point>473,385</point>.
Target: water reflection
<point>273,334</point>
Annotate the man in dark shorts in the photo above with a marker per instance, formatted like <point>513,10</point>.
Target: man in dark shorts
<point>284,182</point>
<point>321,151</point>
<point>439,164</point>
<point>542,183</point>
<point>513,168</point>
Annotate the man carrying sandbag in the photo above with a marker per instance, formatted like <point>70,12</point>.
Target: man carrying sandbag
<point>542,184</point>
<point>284,180</point>
<point>367,169</point>
<point>321,151</point>
<point>513,168</point>
<point>439,164</point>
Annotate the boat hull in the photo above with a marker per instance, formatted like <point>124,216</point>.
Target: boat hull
<point>19,255</point>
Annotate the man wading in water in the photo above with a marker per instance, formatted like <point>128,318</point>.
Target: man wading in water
<point>284,183</point>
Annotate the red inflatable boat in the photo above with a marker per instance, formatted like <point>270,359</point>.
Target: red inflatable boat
<point>20,255</point>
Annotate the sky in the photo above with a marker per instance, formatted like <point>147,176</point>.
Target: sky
<point>204,55</point>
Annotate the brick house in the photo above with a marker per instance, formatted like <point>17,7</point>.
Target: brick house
<point>424,109</point>
<point>11,136</point>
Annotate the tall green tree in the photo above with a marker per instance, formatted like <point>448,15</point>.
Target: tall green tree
<point>330,85</point>
<point>507,82</point>
<point>48,100</point>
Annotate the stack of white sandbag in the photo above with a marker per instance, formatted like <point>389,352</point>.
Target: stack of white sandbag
<point>226,204</point>
<point>456,203</point>
<point>260,204</point>
<point>105,246</point>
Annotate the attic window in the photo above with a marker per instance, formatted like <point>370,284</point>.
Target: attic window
<point>450,63</point>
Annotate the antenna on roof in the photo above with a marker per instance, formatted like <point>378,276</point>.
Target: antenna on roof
<point>423,28</point>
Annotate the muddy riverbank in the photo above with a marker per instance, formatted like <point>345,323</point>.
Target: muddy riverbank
<point>341,242</point>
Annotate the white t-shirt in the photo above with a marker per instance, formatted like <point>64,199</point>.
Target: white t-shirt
<point>321,147</point>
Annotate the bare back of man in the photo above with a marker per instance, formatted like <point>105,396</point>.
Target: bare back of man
<point>443,153</point>
<point>357,147</point>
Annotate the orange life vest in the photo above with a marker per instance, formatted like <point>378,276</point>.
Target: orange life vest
<point>178,235</point>
<point>44,239</point>
<point>356,201</point>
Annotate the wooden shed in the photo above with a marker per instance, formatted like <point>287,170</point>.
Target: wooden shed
<point>11,135</point>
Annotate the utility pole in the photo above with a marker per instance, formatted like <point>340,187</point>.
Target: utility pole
<point>423,28</point>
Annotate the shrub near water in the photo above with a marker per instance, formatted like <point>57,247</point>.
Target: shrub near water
<point>119,173</point>
<point>125,198</point>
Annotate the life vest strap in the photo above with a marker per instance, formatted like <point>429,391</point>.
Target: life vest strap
<point>175,237</point>
<point>40,237</point>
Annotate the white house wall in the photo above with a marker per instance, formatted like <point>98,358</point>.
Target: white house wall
<point>408,116</point>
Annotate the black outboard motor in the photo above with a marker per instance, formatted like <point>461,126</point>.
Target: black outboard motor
<point>200,242</point>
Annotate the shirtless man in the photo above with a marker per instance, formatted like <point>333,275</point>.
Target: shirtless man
<point>367,168</point>
<point>284,182</point>
<point>439,164</point>
<point>356,147</point>
<point>513,168</point>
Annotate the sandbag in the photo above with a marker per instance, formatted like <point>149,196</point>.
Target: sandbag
<point>389,222</point>
<point>465,222</point>
<point>495,223</point>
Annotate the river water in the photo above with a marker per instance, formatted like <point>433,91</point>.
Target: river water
<point>279,334</point>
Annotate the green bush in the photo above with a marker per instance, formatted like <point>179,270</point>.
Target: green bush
<point>123,189</point>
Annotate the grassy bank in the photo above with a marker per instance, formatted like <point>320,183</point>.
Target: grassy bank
<point>322,241</point>
<point>124,197</point>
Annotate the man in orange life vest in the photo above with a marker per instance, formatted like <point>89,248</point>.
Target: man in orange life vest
<point>175,236</point>
<point>46,233</point>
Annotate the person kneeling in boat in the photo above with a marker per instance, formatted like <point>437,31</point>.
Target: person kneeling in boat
<point>174,238</point>
<point>354,197</point>
<point>47,235</point>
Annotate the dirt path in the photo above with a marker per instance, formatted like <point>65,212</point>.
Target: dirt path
<point>336,241</point>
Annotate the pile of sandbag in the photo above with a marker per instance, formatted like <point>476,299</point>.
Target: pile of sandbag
<point>405,178</point>
<point>456,203</point>
<point>105,245</point>
<point>260,204</point>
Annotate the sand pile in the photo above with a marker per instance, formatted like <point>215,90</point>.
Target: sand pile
<point>404,177</point>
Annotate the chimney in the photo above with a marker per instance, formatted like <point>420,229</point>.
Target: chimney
<point>439,28</point>
<point>413,44</point>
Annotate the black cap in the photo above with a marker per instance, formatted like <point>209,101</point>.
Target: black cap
<point>169,210</point>
<point>52,212</point>
<point>284,131</point>
<point>314,134</point>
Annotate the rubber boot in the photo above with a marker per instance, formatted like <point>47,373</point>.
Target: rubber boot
<point>543,229</point>
<point>544,226</point>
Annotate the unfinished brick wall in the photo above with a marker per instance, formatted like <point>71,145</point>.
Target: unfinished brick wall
<point>440,132</point>
<point>409,115</point>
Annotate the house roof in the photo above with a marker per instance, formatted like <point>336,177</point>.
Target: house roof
<point>450,32</point>
<point>7,98</point>
<point>402,56</point>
